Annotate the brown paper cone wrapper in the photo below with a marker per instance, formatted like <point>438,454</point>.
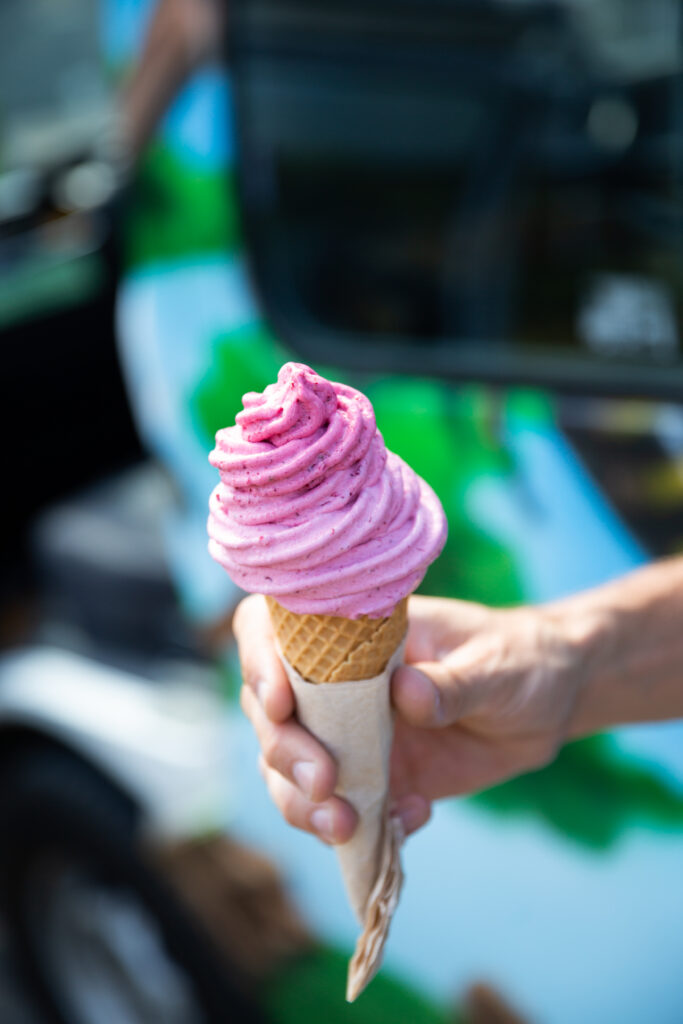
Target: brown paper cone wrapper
<point>352,718</point>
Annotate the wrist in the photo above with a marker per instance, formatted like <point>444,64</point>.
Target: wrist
<point>590,636</point>
<point>628,643</point>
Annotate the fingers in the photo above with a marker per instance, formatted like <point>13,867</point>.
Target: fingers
<point>262,669</point>
<point>439,624</point>
<point>333,821</point>
<point>414,811</point>
<point>290,749</point>
<point>300,774</point>
<point>433,694</point>
<point>454,661</point>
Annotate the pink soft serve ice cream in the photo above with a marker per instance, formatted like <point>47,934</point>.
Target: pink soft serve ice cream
<point>312,509</point>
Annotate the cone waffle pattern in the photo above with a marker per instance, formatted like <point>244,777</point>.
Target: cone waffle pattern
<point>331,649</point>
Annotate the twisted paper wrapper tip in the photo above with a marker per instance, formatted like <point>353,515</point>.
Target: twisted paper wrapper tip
<point>367,957</point>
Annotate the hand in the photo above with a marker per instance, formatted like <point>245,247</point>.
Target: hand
<point>484,695</point>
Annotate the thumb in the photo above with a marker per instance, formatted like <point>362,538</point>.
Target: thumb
<point>431,694</point>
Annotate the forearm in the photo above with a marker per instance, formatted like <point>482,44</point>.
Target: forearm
<point>182,34</point>
<point>628,636</point>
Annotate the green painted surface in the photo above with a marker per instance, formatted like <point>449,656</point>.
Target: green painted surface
<point>247,359</point>
<point>175,210</point>
<point>593,793</point>
<point>449,437</point>
<point>311,989</point>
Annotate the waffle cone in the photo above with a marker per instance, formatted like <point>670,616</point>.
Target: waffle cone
<point>332,649</point>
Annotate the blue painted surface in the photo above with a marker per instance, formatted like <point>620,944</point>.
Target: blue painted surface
<point>199,125</point>
<point>552,517</point>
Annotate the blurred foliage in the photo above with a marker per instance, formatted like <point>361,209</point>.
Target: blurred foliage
<point>311,989</point>
<point>592,793</point>
<point>175,210</point>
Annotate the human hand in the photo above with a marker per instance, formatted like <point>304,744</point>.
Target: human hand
<point>485,694</point>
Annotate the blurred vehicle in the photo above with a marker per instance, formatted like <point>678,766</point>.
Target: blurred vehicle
<point>484,190</point>
<point>122,898</point>
<point>96,932</point>
<point>58,262</point>
<point>101,763</point>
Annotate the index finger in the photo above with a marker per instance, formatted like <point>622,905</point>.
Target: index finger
<point>262,670</point>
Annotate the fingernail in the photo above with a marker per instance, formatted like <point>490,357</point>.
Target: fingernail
<point>321,821</point>
<point>304,775</point>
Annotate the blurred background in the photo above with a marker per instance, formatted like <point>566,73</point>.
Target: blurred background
<point>472,211</point>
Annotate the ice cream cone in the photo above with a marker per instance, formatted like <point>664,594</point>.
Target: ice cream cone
<point>332,649</point>
<point>312,506</point>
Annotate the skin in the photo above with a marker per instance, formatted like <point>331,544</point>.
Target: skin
<point>485,694</point>
<point>182,36</point>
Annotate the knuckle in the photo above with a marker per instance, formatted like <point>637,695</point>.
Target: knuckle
<point>242,613</point>
<point>547,754</point>
<point>272,748</point>
<point>249,706</point>
<point>542,754</point>
<point>244,626</point>
<point>326,776</point>
<point>248,672</point>
<point>288,804</point>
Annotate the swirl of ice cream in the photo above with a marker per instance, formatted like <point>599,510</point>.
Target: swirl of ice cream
<point>312,509</point>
